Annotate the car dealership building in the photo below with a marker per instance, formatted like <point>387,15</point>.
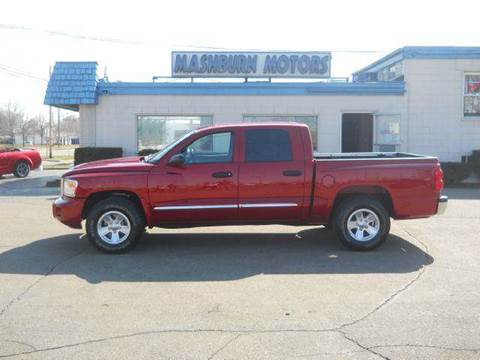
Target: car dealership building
<point>417,99</point>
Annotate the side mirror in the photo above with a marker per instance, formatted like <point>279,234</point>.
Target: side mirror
<point>177,160</point>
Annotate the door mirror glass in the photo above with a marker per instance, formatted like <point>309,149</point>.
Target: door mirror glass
<point>177,160</point>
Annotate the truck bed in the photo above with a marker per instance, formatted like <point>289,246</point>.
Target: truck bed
<point>407,179</point>
<point>367,156</point>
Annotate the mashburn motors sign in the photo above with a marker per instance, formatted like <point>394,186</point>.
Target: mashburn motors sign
<point>251,64</point>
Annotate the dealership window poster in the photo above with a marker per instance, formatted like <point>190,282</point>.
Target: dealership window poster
<point>387,132</point>
<point>471,96</point>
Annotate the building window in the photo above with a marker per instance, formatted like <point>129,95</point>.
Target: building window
<point>393,72</point>
<point>471,95</point>
<point>157,131</point>
<point>387,132</point>
<point>310,121</point>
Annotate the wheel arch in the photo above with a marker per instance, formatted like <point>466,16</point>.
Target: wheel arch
<point>23,159</point>
<point>378,192</point>
<point>94,198</point>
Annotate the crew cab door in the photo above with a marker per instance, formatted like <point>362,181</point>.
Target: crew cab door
<point>272,175</point>
<point>201,186</point>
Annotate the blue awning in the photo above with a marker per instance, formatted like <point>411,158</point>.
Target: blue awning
<point>72,84</point>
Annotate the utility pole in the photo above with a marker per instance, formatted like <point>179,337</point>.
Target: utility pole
<point>50,132</point>
<point>58,127</point>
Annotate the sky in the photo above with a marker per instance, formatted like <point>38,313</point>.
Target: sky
<point>133,39</point>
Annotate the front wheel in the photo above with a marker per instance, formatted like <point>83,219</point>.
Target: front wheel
<point>22,169</point>
<point>115,225</point>
<point>361,223</point>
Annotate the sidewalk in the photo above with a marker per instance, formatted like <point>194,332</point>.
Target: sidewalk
<point>56,164</point>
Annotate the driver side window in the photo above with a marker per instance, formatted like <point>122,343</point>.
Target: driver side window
<point>212,148</point>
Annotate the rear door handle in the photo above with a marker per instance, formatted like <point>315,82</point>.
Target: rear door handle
<point>222,174</point>
<point>292,173</point>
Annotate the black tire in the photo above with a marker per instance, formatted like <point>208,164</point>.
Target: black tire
<point>22,169</point>
<point>351,205</point>
<point>116,205</point>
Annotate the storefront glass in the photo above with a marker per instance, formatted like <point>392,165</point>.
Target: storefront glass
<point>310,121</point>
<point>387,132</point>
<point>157,131</point>
<point>471,98</point>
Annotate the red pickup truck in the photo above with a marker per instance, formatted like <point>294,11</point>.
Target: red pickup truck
<point>249,174</point>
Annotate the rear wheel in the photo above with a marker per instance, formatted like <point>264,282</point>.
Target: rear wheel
<point>22,169</point>
<point>115,225</point>
<point>361,223</point>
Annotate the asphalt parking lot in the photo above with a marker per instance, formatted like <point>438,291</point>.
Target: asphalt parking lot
<point>254,292</point>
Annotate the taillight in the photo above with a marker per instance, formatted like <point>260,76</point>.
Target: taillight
<point>438,179</point>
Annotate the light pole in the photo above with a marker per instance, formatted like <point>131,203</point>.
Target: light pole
<point>50,132</point>
<point>58,127</point>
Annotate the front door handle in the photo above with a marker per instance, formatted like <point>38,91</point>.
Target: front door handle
<point>222,174</point>
<point>292,173</point>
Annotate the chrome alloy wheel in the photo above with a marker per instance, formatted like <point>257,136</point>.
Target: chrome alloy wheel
<point>23,169</point>
<point>363,224</point>
<point>113,227</point>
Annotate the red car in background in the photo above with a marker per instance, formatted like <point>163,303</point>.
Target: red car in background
<point>19,162</point>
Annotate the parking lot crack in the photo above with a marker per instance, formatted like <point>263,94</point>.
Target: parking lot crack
<point>368,349</point>
<point>22,343</point>
<point>316,355</point>
<point>224,346</point>
<point>238,333</point>
<point>385,301</point>
<point>475,350</point>
<point>43,276</point>
<point>389,299</point>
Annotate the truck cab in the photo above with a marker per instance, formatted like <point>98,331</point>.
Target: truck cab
<point>232,173</point>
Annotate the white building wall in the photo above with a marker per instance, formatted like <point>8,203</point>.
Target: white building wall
<point>115,115</point>
<point>88,125</point>
<point>436,125</point>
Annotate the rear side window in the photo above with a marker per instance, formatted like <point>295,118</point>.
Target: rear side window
<point>268,145</point>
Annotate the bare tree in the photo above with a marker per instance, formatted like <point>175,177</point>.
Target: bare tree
<point>10,118</point>
<point>25,128</point>
<point>71,125</point>
<point>13,121</point>
<point>40,127</point>
<point>4,133</point>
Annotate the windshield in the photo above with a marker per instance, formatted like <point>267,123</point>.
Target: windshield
<point>154,158</point>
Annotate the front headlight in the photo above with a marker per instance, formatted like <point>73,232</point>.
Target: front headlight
<point>69,187</point>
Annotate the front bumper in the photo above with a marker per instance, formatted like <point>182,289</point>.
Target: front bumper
<point>68,211</point>
<point>442,204</point>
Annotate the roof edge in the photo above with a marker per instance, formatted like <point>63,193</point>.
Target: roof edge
<point>379,61</point>
<point>427,52</point>
<point>76,62</point>
<point>285,88</point>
